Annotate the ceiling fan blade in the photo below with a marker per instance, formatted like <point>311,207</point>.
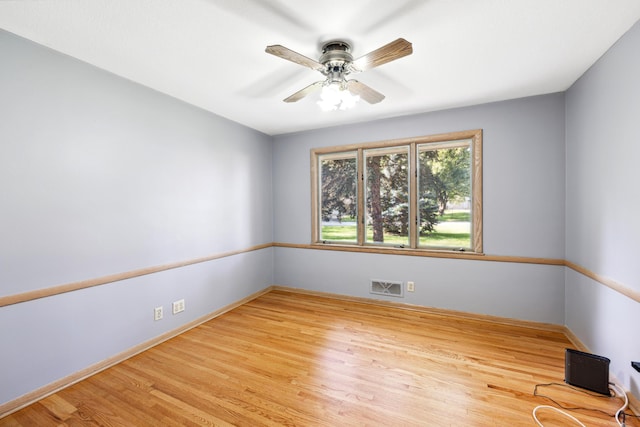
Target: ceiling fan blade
<point>290,55</point>
<point>387,53</point>
<point>365,92</point>
<point>304,92</point>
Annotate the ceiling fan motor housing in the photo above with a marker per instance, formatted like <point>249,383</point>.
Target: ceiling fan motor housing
<point>335,55</point>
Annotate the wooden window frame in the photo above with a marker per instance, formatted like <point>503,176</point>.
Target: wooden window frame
<point>475,136</point>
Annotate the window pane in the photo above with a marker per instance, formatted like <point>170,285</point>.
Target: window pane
<point>387,196</point>
<point>444,195</point>
<point>338,198</point>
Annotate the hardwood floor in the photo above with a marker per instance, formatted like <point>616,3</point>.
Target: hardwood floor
<point>294,359</point>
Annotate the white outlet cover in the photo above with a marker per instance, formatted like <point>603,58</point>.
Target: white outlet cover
<point>178,306</point>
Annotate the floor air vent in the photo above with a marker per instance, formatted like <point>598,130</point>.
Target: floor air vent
<point>383,287</point>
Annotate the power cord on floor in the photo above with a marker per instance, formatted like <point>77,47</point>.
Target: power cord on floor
<point>623,407</point>
<point>560,411</point>
<point>576,389</point>
<point>619,391</point>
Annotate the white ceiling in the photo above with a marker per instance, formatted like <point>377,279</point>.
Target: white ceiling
<point>210,53</point>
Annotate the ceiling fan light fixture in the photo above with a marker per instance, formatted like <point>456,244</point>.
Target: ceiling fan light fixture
<point>336,62</point>
<point>336,96</point>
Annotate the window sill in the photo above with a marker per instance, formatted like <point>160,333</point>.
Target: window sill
<point>396,250</point>
<point>477,256</point>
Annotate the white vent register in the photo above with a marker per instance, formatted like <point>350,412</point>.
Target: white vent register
<point>385,287</point>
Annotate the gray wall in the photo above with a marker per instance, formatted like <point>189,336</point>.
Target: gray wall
<point>101,176</point>
<point>524,194</point>
<point>602,226</point>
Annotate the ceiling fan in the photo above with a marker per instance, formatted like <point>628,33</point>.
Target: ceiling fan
<point>336,63</point>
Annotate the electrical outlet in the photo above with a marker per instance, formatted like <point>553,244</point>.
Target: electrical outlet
<point>411,287</point>
<point>178,306</point>
<point>157,313</point>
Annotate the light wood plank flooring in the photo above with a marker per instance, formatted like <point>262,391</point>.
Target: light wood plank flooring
<point>294,359</point>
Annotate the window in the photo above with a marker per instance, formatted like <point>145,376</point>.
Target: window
<point>424,193</point>
<point>387,196</point>
<point>338,197</point>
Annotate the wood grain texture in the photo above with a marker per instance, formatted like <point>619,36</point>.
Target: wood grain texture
<point>387,53</point>
<point>361,205</point>
<point>427,253</point>
<point>55,290</point>
<point>315,192</point>
<point>449,136</point>
<point>477,192</point>
<point>64,382</point>
<point>435,142</point>
<point>83,284</point>
<point>610,283</point>
<point>290,55</point>
<point>289,359</point>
